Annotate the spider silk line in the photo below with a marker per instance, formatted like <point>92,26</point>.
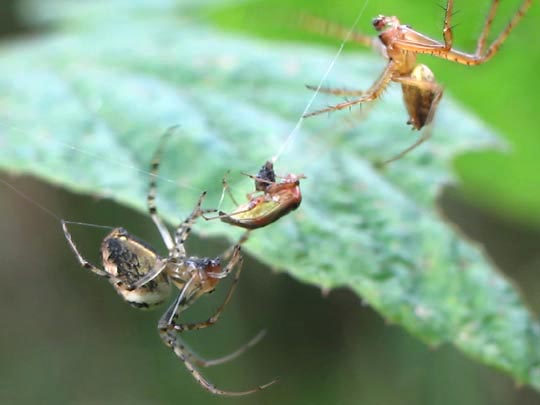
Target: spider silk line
<point>47,210</point>
<point>101,158</point>
<point>296,128</point>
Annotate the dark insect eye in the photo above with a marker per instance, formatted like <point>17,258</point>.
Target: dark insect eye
<point>378,22</point>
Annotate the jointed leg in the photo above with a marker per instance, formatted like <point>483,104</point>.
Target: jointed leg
<point>320,26</point>
<point>425,135</point>
<point>373,93</point>
<point>153,273</point>
<point>151,198</point>
<point>182,232</point>
<point>201,362</point>
<point>169,336</point>
<point>84,263</point>
<point>417,44</point>
<point>447,28</point>
<point>494,47</point>
<point>337,92</point>
<point>174,342</point>
<point>231,251</point>
<point>480,46</point>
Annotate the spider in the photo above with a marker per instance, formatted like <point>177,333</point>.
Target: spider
<point>400,44</point>
<point>277,200</point>
<point>143,279</point>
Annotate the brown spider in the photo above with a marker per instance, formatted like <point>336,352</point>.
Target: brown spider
<point>277,200</point>
<point>143,279</point>
<point>400,44</point>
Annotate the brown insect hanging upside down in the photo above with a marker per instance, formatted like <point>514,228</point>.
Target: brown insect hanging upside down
<point>270,201</point>
<point>400,44</point>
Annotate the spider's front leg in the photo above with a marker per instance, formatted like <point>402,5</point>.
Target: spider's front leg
<point>417,43</point>
<point>151,197</point>
<point>84,263</point>
<point>184,229</point>
<point>337,92</point>
<point>372,94</point>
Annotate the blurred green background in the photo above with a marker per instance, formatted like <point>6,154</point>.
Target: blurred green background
<point>67,338</point>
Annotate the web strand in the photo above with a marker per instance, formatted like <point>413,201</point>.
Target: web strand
<point>46,210</point>
<point>298,125</point>
<point>102,158</point>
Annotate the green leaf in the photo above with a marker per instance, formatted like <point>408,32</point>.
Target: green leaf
<point>84,107</point>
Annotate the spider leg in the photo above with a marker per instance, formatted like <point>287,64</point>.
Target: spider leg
<point>495,45</point>
<point>438,50</point>
<point>320,26</point>
<point>201,362</point>
<point>151,197</point>
<point>83,262</point>
<point>487,26</point>
<point>418,43</point>
<point>231,356</point>
<point>373,93</point>
<point>227,189</point>
<point>337,92</point>
<point>426,134</point>
<point>183,354</point>
<point>232,250</point>
<point>447,28</point>
<point>167,326</point>
<point>183,230</point>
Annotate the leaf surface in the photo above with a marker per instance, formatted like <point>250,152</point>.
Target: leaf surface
<point>84,106</point>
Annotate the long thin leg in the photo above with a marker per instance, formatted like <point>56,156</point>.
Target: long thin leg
<point>337,92</point>
<point>84,263</point>
<point>418,43</point>
<point>170,338</point>
<point>201,362</point>
<point>319,26</point>
<point>487,26</point>
<point>426,134</point>
<point>232,250</point>
<point>151,197</point>
<point>447,28</point>
<point>374,92</point>
<point>183,230</point>
<point>183,354</point>
<point>494,47</point>
<point>227,189</point>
